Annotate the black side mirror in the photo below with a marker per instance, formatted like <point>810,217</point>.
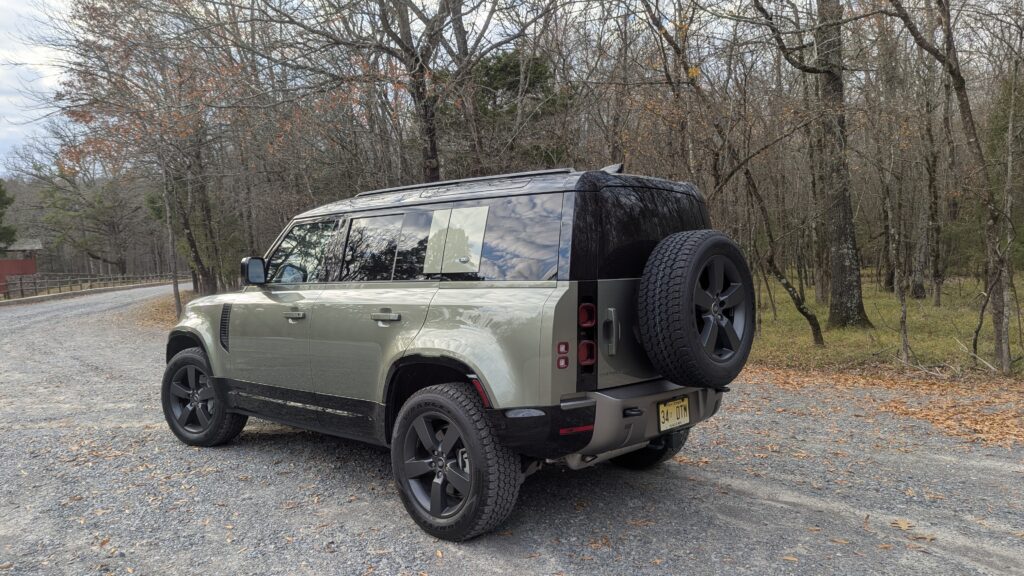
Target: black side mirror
<point>254,271</point>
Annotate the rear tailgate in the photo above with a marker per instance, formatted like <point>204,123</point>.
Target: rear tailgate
<point>615,229</point>
<point>621,356</point>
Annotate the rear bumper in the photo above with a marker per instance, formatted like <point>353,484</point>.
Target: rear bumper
<point>602,421</point>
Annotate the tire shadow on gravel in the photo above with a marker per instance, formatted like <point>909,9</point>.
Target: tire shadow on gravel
<point>549,500</point>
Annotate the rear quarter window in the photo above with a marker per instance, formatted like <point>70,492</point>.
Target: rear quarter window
<point>520,239</point>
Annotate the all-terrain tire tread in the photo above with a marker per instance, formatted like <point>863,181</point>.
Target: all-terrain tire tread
<point>663,308</point>
<point>502,466</point>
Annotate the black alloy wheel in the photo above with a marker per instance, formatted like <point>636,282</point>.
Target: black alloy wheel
<point>453,475</point>
<point>195,410</point>
<point>718,305</point>
<point>194,401</point>
<point>437,470</point>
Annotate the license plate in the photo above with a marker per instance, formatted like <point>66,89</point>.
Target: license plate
<point>673,414</point>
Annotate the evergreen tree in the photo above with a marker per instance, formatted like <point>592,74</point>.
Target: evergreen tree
<point>6,232</point>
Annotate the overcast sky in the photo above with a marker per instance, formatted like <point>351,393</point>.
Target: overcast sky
<point>21,66</point>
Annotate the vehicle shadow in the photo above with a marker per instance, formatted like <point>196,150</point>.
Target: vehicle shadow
<point>555,503</point>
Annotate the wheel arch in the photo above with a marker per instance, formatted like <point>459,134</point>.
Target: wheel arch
<point>183,338</point>
<point>180,340</point>
<point>412,373</point>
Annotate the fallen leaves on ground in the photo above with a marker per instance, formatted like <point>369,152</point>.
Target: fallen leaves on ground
<point>160,312</point>
<point>681,459</point>
<point>978,407</point>
<point>901,524</point>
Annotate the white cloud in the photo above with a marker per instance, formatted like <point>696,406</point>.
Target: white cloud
<point>23,67</point>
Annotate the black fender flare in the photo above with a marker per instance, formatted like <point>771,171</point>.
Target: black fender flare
<point>390,386</point>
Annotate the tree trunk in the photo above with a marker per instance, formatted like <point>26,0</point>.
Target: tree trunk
<point>886,273</point>
<point>171,249</point>
<point>846,303</point>
<point>794,295</point>
<point>426,106</point>
<point>204,281</point>
<point>934,236</point>
<point>897,253</point>
<point>819,233</point>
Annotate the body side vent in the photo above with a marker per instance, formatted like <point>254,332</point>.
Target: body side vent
<point>225,325</point>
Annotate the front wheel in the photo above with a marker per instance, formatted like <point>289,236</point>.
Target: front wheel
<point>193,408</point>
<point>454,477</point>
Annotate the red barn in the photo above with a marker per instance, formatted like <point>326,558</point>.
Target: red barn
<point>18,259</point>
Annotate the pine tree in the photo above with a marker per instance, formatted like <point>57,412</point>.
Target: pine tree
<point>6,232</point>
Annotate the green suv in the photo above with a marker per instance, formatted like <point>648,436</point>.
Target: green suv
<point>479,328</point>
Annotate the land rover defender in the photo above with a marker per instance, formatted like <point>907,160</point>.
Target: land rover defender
<point>478,328</point>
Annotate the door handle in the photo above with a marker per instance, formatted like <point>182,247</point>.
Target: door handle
<point>295,315</point>
<point>385,316</point>
<point>611,324</point>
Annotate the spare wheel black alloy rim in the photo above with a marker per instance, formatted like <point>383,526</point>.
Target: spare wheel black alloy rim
<point>436,469</point>
<point>193,401</point>
<point>720,308</point>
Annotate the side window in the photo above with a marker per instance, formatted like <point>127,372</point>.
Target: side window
<point>521,242</point>
<point>300,256</point>
<point>514,238</point>
<point>371,247</point>
<point>421,247</point>
<point>465,240</point>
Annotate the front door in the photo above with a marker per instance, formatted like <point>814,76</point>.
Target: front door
<point>269,324</point>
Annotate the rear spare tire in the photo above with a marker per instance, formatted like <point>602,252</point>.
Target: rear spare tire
<point>696,308</point>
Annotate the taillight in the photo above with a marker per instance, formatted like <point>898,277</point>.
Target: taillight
<point>587,315</point>
<point>587,355</point>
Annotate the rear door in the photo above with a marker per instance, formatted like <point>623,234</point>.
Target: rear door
<point>269,324</point>
<point>375,306</point>
<point>633,221</point>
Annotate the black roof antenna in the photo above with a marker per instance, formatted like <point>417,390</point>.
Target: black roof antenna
<point>613,169</point>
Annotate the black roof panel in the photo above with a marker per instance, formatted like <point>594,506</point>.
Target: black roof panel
<point>558,180</point>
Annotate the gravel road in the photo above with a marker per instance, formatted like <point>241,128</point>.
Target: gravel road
<point>780,482</point>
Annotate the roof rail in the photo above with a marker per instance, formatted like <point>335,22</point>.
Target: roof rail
<point>462,180</point>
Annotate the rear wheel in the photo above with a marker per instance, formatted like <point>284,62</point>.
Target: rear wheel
<point>453,476</point>
<point>659,450</point>
<point>194,408</point>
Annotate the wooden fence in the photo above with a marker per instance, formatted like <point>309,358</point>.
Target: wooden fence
<point>40,284</point>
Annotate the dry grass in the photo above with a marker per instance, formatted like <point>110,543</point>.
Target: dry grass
<point>935,334</point>
<point>943,384</point>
